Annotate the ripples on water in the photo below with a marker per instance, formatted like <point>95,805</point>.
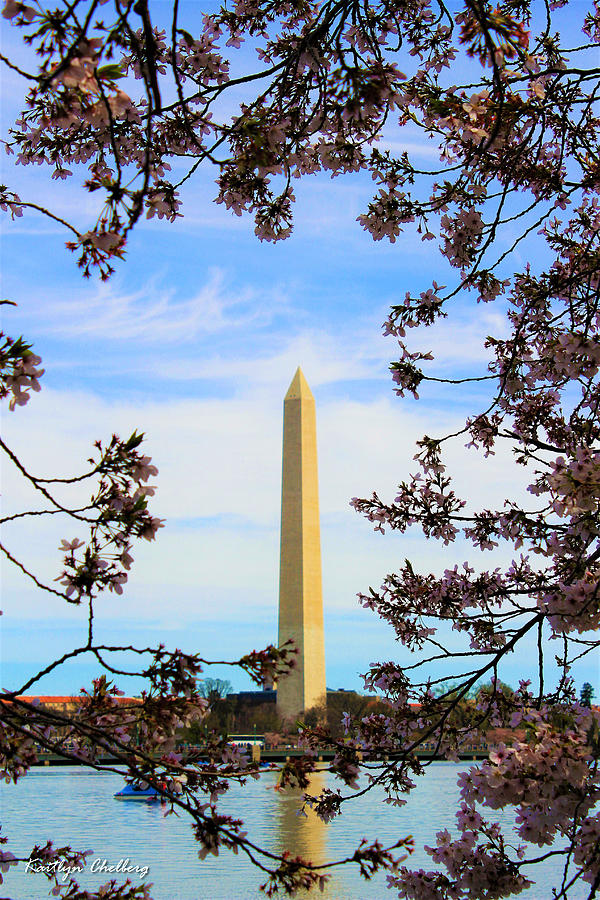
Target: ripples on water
<point>74,806</point>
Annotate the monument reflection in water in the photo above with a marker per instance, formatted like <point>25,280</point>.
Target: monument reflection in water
<point>303,834</point>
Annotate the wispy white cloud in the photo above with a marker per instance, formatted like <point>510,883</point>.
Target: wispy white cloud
<point>243,335</point>
<point>357,353</point>
<point>153,314</point>
<point>325,359</point>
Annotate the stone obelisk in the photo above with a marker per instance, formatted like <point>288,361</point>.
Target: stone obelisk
<point>300,591</point>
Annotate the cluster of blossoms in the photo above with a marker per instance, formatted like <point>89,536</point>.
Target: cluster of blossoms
<point>17,753</point>
<point>462,236</point>
<point>476,868</point>
<point>575,483</point>
<point>573,606</point>
<point>122,507</point>
<point>18,370</point>
<point>549,779</point>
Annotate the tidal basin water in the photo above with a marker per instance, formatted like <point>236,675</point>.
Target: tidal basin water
<point>76,807</point>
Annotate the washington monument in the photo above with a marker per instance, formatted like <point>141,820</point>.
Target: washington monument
<point>300,591</point>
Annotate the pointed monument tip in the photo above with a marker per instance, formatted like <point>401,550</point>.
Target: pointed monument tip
<point>299,388</point>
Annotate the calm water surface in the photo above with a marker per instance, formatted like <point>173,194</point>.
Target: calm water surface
<point>76,807</point>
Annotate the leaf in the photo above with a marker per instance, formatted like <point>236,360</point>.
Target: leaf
<point>110,72</point>
<point>134,441</point>
<point>188,38</point>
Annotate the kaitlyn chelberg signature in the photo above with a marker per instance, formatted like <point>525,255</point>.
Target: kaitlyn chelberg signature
<point>100,866</point>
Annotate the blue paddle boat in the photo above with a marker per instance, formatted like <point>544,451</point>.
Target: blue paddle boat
<point>137,791</point>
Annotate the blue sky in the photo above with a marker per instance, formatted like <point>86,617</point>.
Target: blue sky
<point>194,341</point>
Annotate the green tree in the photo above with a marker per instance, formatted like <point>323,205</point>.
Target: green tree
<point>213,689</point>
<point>587,692</point>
